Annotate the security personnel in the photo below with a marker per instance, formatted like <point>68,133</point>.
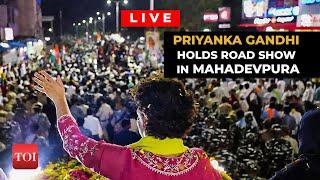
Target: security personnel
<point>308,164</point>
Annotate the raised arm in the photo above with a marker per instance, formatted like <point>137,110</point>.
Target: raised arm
<point>77,145</point>
<point>54,89</point>
<point>88,151</point>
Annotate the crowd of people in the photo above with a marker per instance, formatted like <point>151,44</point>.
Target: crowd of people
<point>249,125</point>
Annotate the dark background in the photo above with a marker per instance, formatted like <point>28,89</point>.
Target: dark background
<point>77,10</point>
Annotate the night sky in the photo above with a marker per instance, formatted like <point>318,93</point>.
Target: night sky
<point>77,10</point>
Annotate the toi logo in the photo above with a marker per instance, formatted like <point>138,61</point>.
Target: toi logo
<point>25,156</point>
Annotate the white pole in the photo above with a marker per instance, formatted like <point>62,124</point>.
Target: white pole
<point>117,16</point>
<point>87,31</point>
<point>151,4</point>
<point>104,23</point>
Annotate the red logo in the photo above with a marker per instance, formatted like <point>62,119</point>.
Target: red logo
<point>25,156</point>
<point>150,18</point>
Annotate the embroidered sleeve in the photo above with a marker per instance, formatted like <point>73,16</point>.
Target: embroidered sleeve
<point>107,159</point>
<point>77,145</point>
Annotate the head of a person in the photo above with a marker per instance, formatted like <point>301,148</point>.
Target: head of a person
<point>224,99</point>
<point>232,92</point>
<point>205,92</point>
<point>287,109</point>
<point>125,124</point>
<point>165,108</point>
<point>212,95</point>
<point>236,106</point>
<point>37,107</point>
<point>276,130</point>
<point>309,133</point>
<point>90,111</point>
<point>272,105</point>
<point>309,84</point>
<point>294,87</point>
<point>273,100</point>
<point>247,86</point>
<point>240,114</point>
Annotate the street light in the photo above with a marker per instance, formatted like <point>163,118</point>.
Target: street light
<point>50,29</point>
<point>125,2</point>
<point>98,13</point>
<point>109,13</point>
<point>91,19</point>
<point>84,21</point>
<point>99,18</point>
<point>79,24</point>
<point>76,28</point>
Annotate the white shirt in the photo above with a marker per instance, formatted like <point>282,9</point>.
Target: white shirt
<point>297,116</point>
<point>71,90</point>
<point>285,95</point>
<point>92,123</point>
<point>301,87</point>
<point>104,112</point>
<point>308,95</point>
<point>281,85</point>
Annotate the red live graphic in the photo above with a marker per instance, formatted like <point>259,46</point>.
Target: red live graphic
<point>25,156</point>
<point>150,18</point>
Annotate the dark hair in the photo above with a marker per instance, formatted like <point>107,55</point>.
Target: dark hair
<point>272,105</point>
<point>90,111</point>
<point>278,107</point>
<point>247,86</point>
<point>224,99</point>
<point>287,109</point>
<point>170,109</point>
<point>37,109</point>
<point>273,99</point>
<point>212,94</point>
<point>240,114</point>
<point>125,123</point>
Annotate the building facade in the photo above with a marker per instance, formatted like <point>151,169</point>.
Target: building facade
<point>23,16</point>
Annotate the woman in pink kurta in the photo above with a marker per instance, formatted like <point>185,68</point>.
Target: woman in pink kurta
<point>165,111</point>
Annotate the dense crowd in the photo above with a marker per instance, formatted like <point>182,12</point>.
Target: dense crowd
<point>248,125</point>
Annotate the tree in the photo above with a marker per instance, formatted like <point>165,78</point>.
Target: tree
<point>191,10</point>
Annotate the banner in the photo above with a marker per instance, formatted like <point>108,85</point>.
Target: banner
<point>232,54</point>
